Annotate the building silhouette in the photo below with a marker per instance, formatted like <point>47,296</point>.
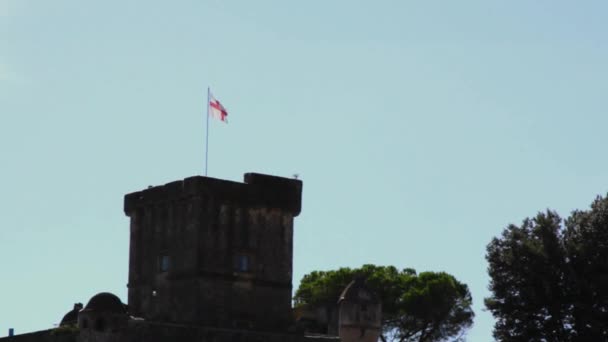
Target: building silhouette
<point>210,260</point>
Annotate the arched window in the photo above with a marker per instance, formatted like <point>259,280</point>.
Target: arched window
<point>243,263</point>
<point>164,262</point>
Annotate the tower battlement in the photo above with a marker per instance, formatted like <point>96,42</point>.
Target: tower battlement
<point>257,190</point>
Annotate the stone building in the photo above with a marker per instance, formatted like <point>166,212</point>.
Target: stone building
<point>217,253</point>
<point>359,313</point>
<point>355,316</point>
<point>209,260</point>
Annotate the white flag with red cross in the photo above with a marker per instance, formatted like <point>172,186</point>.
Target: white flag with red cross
<point>216,110</point>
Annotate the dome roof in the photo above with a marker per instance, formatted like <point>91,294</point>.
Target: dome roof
<point>72,316</point>
<point>105,302</point>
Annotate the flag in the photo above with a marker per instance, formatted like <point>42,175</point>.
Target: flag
<point>216,109</point>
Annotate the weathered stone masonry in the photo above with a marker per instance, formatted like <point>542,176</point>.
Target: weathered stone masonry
<point>212,252</point>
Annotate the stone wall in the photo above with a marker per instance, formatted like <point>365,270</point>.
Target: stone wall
<point>162,332</point>
<point>151,332</point>
<point>140,331</point>
<point>53,335</point>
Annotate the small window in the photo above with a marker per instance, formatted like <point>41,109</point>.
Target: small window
<point>163,263</point>
<point>242,263</point>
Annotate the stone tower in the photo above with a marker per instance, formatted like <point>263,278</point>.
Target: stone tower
<point>359,313</point>
<point>212,252</point>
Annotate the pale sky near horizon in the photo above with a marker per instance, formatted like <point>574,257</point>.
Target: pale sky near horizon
<point>420,129</point>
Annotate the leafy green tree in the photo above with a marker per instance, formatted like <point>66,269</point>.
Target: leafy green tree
<point>586,244</point>
<point>549,277</point>
<point>428,306</point>
<point>526,271</point>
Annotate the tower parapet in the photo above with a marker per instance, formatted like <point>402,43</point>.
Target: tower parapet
<point>257,190</point>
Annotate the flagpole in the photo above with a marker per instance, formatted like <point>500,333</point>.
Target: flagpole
<point>207,135</point>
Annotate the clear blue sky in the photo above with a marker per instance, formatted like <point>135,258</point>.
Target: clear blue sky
<point>420,129</point>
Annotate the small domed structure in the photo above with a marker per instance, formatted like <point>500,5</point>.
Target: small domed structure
<point>104,312</point>
<point>359,313</point>
<point>106,302</point>
<point>71,318</point>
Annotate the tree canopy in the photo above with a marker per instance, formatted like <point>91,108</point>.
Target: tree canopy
<point>549,277</point>
<point>430,306</point>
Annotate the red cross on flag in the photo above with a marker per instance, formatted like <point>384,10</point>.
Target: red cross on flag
<point>216,110</point>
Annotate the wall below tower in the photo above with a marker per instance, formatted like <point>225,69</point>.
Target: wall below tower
<point>162,332</point>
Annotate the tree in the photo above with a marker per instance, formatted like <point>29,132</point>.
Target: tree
<point>549,277</point>
<point>428,306</point>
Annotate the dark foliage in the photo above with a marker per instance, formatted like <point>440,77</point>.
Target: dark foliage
<point>549,277</point>
<point>415,307</point>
